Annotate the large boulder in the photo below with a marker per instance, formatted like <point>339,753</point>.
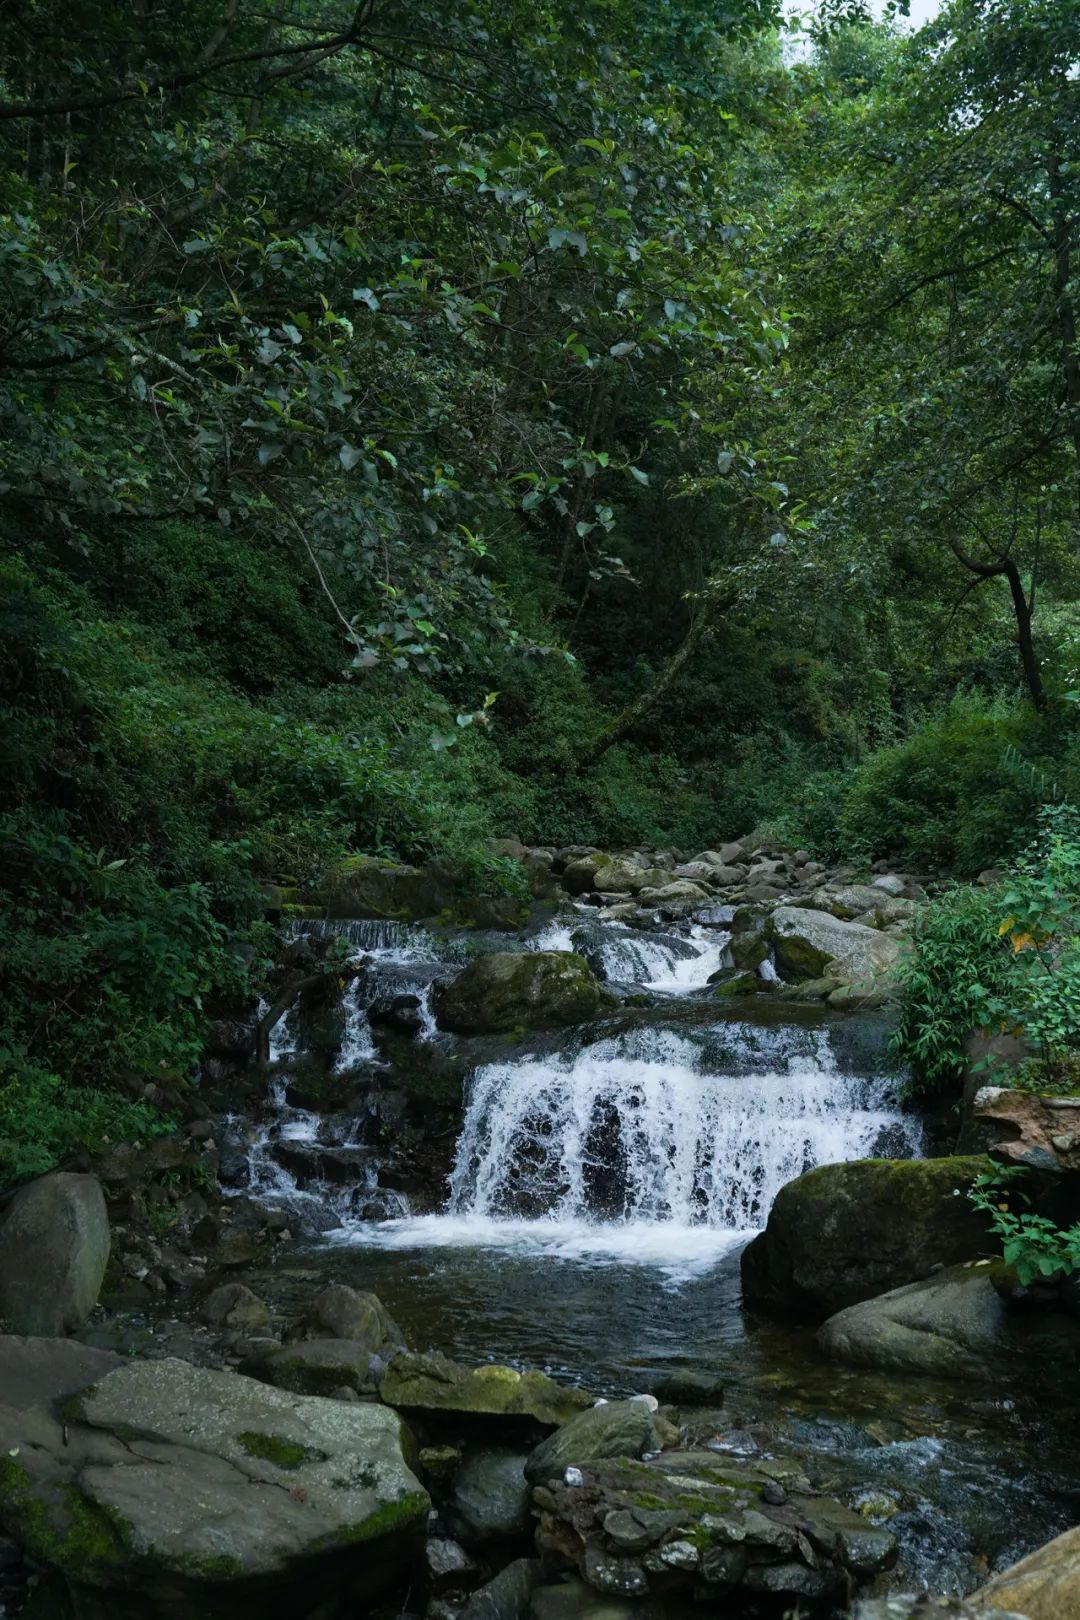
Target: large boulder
<point>954,1324</point>
<point>806,944</point>
<point>489,1500</point>
<point>316,1367</point>
<point>167,1490</point>
<point>368,886</point>
<point>521,989</point>
<point>846,1232</point>
<point>612,1429</point>
<point>54,1247</point>
<point>433,1383</point>
<point>1043,1586</point>
<point>705,1526</point>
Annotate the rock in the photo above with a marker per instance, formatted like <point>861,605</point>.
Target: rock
<point>693,1523</point>
<point>922,1606</point>
<point>954,1324</point>
<point>234,1307</point>
<point>489,1500</point>
<point>890,883</point>
<point>316,1367</point>
<point>734,983</point>
<point>846,1232</point>
<point>36,1372</point>
<point>728,854</point>
<point>1043,1586</point>
<point>507,1596</point>
<point>433,1383</point>
<point>747,950</point>
<point>404,1015</point>
<point>448,1565</point>
<point>614,1429</point>
<point>673,897</point>
<point>628,877</point>
<point>339,1312</point>
<point>847,900</point>
<point>1042,1133</point>
<point>579,874</point>
<point>687,1387</point>
<point>54,1247</point>
<point>807,943</point>
<point>368,886</point>
<point>529,989</point>
<point>172,1490</point>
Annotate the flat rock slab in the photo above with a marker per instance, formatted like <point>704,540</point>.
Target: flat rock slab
<point>36,1372</point>
<point>433,1383</point>
<point>167,1490</point>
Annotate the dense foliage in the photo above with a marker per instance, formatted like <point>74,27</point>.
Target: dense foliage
<point>593,424</point>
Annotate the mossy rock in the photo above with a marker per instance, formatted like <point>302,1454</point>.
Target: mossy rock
<point>845,1232</point>
<point>738,984</point>
<point>521,990</point>
<point>433,1383</point>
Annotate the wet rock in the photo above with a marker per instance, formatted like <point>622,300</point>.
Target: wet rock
<point>36,1372</point>
<point>508,1596</point>
<point>234,1308</point>
<point>489,1500</point>
<point>316,1367</point>
<point>340,1312</point>
<point>845,1232</point>
<point>1043,1586</point>
<point>449,1567</point>
<point>54,1248</point>
<point>688,1387</point>
<point>169,1490</point>
<point>689,1522</point>
<point>747,951</point>
<point>951,1325</point>
<point>528,989</point>
<point>404,1015</point>
<point>731,982</point>
<point>433,1383</point>
<point>808,943</point>
<point>614,1429</point>
<point>922,1606</point>
<point>1042,1133</point>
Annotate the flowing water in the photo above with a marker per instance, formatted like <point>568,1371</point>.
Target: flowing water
<point>603,1184</point>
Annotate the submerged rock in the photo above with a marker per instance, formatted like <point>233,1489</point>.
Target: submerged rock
<point>845,1232</point>
<point>54,1247</point>
<point>433,1383</point>
<point>693,1523</point>
<point>951,1325</point>
<point>168,1490</point>
<point>613,1429</point>
<point>527,989</point>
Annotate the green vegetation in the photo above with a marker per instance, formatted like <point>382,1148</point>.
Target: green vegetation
<point>422,424</point>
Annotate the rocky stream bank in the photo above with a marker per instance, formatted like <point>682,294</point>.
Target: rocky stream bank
<point>432,1304</point>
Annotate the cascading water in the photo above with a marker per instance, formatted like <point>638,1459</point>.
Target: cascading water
<point>655,1146</point>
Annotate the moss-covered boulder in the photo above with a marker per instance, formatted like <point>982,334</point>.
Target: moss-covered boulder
<point>807,943</point>
<point>340,1312</point>
<point>613,1429</point>
<point>167,1490</point>
<point>954,1324</point>
<point>316,1367</point>
<point>54,1248</point>
<point>523,989</point>
<point>433,1383</point>
<point>845,1232</point>
<point>368,886</point>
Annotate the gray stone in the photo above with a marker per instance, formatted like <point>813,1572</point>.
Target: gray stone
<point>890,882</point>
<point>507,1596</point>
<point>688,1387</point>
<point>36,1372</point>
<point>448,1564</point>
<point>316,1367</point>
<point>489,1500</point>
<point>340,1312</point>
<point>1043,1586</point>
<point>845,1232</point>
<point>807,944</point>
<point>234,1307</point>
<point>171,1490</point>
<point>615,1429</point>
<point>954,1324</point>
<point>54,1247</point>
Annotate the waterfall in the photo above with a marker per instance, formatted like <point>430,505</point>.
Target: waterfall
<point>651,1133</point>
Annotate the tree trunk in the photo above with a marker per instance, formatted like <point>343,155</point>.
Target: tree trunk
<point>1066,311</point>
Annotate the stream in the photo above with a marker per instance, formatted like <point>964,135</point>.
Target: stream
<point>600,1190</point>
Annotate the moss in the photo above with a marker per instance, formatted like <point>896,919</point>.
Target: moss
<point>92,1539</point>
<point>272,1448</point>
<point>384,1521</point>
<point>221,1567</point>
